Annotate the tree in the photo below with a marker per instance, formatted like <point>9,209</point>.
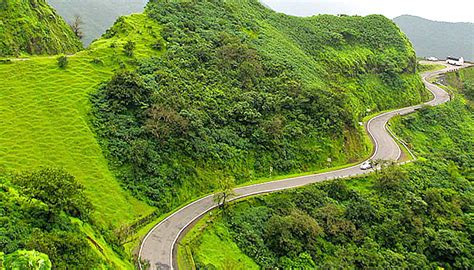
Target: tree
<point>62,61</point>
<point>76,26</point>
<point>128,48</point>
<point>390,179</point>
<point>56,188</point>
<point>226,187</point>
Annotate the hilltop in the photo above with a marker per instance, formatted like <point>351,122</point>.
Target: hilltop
<point>33,27</point>
<point>97,16</point>
<point>439,39</point>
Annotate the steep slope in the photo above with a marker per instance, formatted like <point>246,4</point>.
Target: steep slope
<point>439,39</point>
<point>97,16</point>
<point>244,93</point>
<point>33,27</point>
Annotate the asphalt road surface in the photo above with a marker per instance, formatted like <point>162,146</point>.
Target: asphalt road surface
<point>159,245</point>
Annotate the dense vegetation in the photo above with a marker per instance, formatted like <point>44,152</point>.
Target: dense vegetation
<point>38,212</point>
<point>462,81</point>
<point>33,27</point>
<point>245,92</point>
<point>417,216</point>
<point>97,16</point>
<point>439,39</point>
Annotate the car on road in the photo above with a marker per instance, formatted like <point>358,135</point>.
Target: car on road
<point>366,165</point>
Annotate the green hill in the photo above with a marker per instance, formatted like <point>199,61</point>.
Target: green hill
<point>439,39</point>
<point>97,16</point>
<point>247,93</point>
<point>33,27</point>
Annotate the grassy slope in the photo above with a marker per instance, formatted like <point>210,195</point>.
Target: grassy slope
<point>33,27</point>
<point>44,112</point>
<point>211,234</point>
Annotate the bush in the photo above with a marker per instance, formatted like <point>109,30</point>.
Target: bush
<point>129,48</point>
<point>158,45</point>
<point>97,61</point>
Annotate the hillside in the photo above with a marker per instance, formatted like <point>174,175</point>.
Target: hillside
<point>33,27</point>
<point>97,16</point>
<point>45,112</point>
<point>439,39</point>
<point>245,93</point>
<point>415,216</point>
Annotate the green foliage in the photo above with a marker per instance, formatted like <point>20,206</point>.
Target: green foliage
<point>37,210</point>
<point>33,27</point>
<point>57,189</point>
<point>243,91</point>
<point>24,259</point>
<point>462,81</point>
<point>62,61</point>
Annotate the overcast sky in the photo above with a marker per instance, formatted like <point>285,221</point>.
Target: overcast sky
<point>438,10</point>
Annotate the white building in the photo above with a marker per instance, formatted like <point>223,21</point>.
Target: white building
<point>455,61</point>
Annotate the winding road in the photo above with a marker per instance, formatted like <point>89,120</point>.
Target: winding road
<point>159,245</point>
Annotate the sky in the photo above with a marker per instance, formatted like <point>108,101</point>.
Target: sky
<point>438,10</point>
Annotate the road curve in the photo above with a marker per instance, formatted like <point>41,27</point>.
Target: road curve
<point>159,245</point>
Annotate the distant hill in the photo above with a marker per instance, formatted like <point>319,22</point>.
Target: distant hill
<point>98,15</point>
<point>440,39</point>
<point>33,27</point>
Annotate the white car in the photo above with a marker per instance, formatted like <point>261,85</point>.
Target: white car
<point>366,165</point>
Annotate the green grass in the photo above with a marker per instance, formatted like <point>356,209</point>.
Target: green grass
<point>215,246</point>
<point>45,112</point>
<point>45,124</point>
<point>430,67</point>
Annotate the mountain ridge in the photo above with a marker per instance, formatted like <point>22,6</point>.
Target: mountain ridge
<point>437,38</point>
<point>33,27</point>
